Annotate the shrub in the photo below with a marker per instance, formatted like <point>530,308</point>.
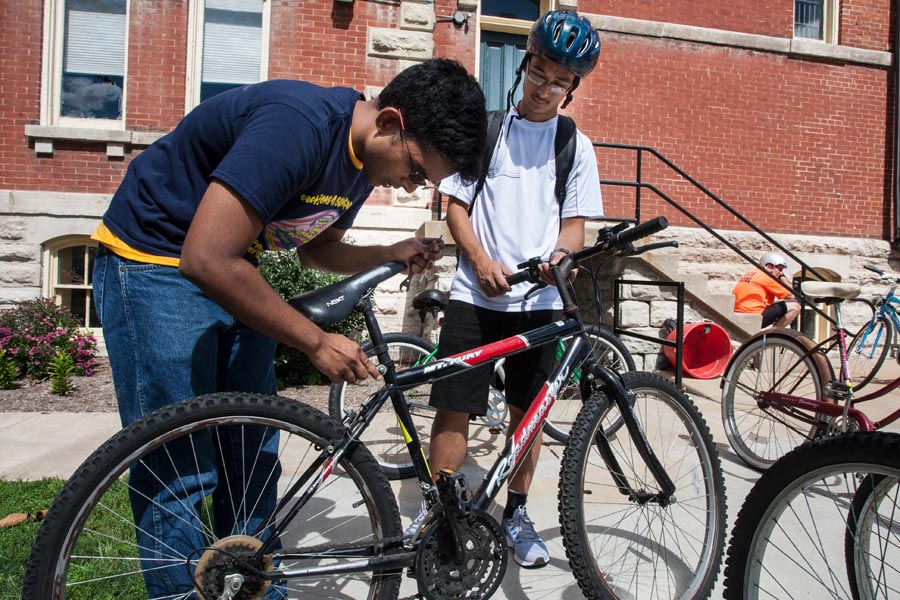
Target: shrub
<point>32,332</point>
<point>287,277</point>
<point>8,371</point>
<point>62,368</point>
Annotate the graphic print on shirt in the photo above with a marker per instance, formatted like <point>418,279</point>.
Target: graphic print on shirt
<point>286,234</point>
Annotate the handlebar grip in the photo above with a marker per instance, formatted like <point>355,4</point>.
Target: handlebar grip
<point>875,269</point>
<point>518,277</point>
<point>639,231</point>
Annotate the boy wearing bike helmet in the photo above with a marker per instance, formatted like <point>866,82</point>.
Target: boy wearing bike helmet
<point>767,293</point>
<point>516,216</point>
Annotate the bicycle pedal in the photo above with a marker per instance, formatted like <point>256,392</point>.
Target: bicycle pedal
<point>454,490</point>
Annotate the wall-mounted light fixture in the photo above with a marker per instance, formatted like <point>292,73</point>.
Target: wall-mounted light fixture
<point>459,18</point>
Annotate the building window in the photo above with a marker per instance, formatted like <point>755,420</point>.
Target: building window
<point>228,47</point>
<point>71,265</point>
<point>84,59</point>
<point>816,19</point>
<point>512,9</point>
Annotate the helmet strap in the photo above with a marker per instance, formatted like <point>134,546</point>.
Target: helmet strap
<point>569,92</point>
<point>515,85</point>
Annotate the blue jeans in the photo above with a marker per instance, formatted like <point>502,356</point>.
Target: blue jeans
<point>168,341</point>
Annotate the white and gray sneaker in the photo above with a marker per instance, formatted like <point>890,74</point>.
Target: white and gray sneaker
<point>529,548</point>
<point>413,527</point>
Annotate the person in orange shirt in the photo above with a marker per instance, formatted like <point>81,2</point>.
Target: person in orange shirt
<point>757,293</point>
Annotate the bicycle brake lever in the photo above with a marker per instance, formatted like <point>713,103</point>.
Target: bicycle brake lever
<point>534,289</point>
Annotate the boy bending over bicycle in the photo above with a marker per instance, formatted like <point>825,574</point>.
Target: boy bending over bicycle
<point>275,165</point>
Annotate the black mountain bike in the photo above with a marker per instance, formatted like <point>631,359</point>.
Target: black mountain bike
<point>643,511</point>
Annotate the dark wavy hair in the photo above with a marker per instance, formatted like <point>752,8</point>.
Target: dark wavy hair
<point>443,109</point>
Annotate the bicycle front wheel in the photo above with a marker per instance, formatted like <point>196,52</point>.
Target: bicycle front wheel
<point>620,546</point>
<point>607,350</point>
<point>187,494</point>
<point>384,436</point>
<point>761,432</point>
<point>821,523</point>
<point>869,348</point>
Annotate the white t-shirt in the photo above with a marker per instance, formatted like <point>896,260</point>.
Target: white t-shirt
<point>516,216</point>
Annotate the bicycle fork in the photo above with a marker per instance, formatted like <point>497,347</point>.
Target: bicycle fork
<point>613,386</point>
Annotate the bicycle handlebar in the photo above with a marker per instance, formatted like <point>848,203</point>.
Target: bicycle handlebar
<point>609,239</point>
<point>883,274</point>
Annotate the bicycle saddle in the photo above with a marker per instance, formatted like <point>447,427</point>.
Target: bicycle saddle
<point>428,299</point>
<point>829,291</point>
<point>335,302</point>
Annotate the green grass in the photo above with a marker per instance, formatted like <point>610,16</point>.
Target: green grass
<point>15,542</point>
<point>115,538</point>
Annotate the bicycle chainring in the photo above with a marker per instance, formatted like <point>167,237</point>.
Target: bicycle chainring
<point>484,562</point>
<point>497,409</point>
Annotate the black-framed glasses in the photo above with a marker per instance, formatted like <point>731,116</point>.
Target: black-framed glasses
<point>416,176</point>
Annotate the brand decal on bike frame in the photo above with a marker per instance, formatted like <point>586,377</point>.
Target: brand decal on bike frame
<point>519,442</point>
<point>454,360</point>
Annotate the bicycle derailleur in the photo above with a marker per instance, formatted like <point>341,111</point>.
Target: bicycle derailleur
<point>462,552</point>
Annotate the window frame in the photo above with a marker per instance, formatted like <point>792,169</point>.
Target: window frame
<point>51,263</point>
<point>830,22</point>
<point>194,65</point>
<point>52,71</point>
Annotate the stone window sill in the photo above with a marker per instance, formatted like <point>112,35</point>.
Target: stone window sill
<point>116,139</point>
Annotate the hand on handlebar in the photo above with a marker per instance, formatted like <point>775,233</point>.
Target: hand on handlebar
<point>491,277</point>
<point>544,269</point>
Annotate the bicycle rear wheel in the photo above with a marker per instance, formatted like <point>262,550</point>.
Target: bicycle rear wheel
<point>607,350</point>
<point>759,432</point>
<point>193,516</point>
<point>869,348</point>
<point>788,540</point>
<point>384,437</point>
<point>619,547</point>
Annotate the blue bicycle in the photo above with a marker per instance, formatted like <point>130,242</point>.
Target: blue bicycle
<point>872,343</point>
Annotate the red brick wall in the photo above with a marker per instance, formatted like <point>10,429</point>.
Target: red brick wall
<point>157,57</point>
<point>452,41</point>
<point>798,145</point>
<point>764,17</point>
<point>866,24</point>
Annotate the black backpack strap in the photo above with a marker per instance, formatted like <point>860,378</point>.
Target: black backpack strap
<point>494,125</point>
<point>565,156</point>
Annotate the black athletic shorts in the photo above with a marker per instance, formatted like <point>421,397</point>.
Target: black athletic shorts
<point>773,312</point>
<point>467,326</point>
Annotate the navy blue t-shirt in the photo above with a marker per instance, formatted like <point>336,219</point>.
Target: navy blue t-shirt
<point>281,145</point>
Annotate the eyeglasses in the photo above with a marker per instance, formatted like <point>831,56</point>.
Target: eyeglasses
<point>415,176</point>
<point>540,81</point>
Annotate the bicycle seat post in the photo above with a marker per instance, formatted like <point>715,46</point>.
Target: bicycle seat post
<point>364,306</point>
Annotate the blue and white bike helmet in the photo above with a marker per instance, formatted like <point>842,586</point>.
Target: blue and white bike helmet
<point>567,39</point>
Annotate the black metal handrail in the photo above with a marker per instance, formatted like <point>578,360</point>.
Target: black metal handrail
<point>639,184</point>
